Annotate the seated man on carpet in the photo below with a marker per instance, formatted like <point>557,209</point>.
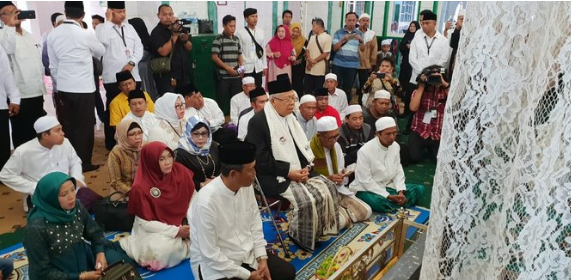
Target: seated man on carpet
<point>138,105</point>
<point>379,177</point>
<point>330,163</point>
<point>119,106</point>
<point>258,99</point>
<point>31,161</point>
<point>241,101</point>
<point>57,231</point>
<point>306,115</point>
<point>283,168</point>
<point>354,133</point>
<point>323,107</point>
<point>208,109</point>
<point>226,227</point>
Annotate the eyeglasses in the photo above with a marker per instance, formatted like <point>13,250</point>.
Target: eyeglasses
<point>291,99</point>
<point>200,134</point>
<point>333,138</point>
<point>180,107</point>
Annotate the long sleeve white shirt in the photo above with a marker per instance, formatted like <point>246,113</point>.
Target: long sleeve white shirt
<point>338,100</point>
<point>226,231</point>
<point>378,168</point>
<point>340,166</point>
<point>8,38</point>
<point>147,122</point>
<point>238,103</point>
<point>420,57</point>
<point>31,161</point>
<point>251,61</point>
<point>243,127</point>
<point>119,52</point>
<point>210,111</point>
<point>27,66</point>
<point>8,88</point>
<point>70,50</point>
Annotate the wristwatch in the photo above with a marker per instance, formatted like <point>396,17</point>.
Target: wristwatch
<point>131,63</point>
<point>261,258</point>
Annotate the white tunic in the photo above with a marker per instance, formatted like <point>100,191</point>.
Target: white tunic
<point>147,122</point>
<point>31,161</point>
<point>226,231</point>
<point>27,66</point>
<point>210,111</point>
<point>8,88</point>
<point>243,127</point>
<point>238,103</point>
<point>420,57</point>
<point>8,38</point>
<point>167,133</point>
<point>251,61</point>
<point>338,100</point>
<point>378,168</point>
<point>122,44</point>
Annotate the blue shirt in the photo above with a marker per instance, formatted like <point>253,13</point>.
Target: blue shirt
<point>348,54</point>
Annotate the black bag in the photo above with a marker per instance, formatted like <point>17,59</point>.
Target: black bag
<point>112,215</point>
<point>160,65</point>
<point>205,26</point>
<point>259,49</point>
<point>121,271</point>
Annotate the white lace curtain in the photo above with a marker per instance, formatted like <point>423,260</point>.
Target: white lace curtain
<point>501,204</point>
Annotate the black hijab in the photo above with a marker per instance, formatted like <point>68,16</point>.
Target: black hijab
<point>408,36</point>
<point>142,31</point>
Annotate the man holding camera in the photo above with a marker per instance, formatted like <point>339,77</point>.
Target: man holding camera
<point>123,51</point>
<point>169,38</point>
<point>28,72</point>
<point>428,103</point>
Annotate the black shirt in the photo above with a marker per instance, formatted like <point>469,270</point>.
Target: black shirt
<point>179,62</point>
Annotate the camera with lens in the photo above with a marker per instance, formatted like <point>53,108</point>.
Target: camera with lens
<point>431,73</point>
<point>179,26</point>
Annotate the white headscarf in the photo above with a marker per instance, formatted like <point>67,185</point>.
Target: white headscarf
<point>164,107</point>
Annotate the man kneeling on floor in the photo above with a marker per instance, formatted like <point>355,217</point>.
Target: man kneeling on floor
<point>226,227</point>
<point>379,177</point>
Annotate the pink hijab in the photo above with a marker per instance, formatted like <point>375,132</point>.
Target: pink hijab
<point>284,46</point>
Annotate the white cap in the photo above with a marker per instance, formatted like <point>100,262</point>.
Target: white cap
<point>326,123</point>
<point>461,12</point>
<point>386,42</point>
<point>307,98</point>
<point>248,80</point>
<point>353,109</point>
<point>45,123</point>
<point>383,94</point>
<point>331,76</point>
<point>365,15</point>
<point>60,18</point>
<point>384,123</point>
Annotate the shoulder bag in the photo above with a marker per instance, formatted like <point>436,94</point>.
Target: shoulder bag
<point>160,65</point>
<point>121,271</point>
<point>259,49</point>
<point>327,69</point>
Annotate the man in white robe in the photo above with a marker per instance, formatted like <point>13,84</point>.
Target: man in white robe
<point>241,101</point>
<point>258,99</point>
<point>379,177</point>
<point>49,152</point>
<point>226,227</point>
<point>337,97</point>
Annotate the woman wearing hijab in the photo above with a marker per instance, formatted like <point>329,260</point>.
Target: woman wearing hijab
<point>159,199</point>
<point>280,54</point>
<point>146,75</point>
<point>57,229</point>
<point>405,68</point>
<point>123,158</point>
<point>198,152</point>
<point>169,112</point>
<point>298,67</point>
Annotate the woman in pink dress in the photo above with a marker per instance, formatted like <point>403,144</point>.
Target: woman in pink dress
<point>280,54</point>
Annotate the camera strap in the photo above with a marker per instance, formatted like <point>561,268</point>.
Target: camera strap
<point>431,42</point>
<point>122,34</point>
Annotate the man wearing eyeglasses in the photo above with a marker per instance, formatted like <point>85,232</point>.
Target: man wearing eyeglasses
<point>330,163</point>
<point>379,177</point>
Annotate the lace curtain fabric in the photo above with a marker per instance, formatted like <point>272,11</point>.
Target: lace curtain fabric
<point>501,204</point>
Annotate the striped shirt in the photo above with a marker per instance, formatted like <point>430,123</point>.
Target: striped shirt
<point>228,50</point>
<point>348,55</point>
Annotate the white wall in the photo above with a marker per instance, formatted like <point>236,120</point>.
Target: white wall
<point>378,17</point>
<point>314,9</point>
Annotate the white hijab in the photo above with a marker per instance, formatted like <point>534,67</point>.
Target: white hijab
<point>164,107</point>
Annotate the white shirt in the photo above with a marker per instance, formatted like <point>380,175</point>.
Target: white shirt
<point>340,166</point>
<point>118,53</point>
<point>147,122</point>
<point>238,103</point>
<point>243,124</point>
<point>251,61</point>
<point>369,35</point>
<point>225,231</point>
<point>378,168</point>
<point>31,161</point>
<point>210,111</point>
<point>70,49</point>
<point>27,66</point>
<point>338,100</point>
<point>420,57</point>
<point>309,127</point>
<point>8,38</point>
<point>8,88</point>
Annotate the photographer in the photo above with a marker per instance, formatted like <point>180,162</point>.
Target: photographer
<point>170,36</point>
<point>383,79</point>
<point>428,103</point>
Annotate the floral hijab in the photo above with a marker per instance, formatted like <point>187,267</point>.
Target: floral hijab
<point>185,142</point>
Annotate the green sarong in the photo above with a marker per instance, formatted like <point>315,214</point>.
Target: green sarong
<point>381,204</point>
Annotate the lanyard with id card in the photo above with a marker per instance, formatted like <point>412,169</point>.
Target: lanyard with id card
<point>122,35</point>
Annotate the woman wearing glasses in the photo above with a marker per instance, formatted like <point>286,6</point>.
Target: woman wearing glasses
<point>198,152</point>
<point>169,112</point>
<point>124,157</point>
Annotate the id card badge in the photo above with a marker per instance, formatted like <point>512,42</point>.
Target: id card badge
<point>128,53</point>
<point>427,117</point>
<point>253,51</point>
<point>433,112</point>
